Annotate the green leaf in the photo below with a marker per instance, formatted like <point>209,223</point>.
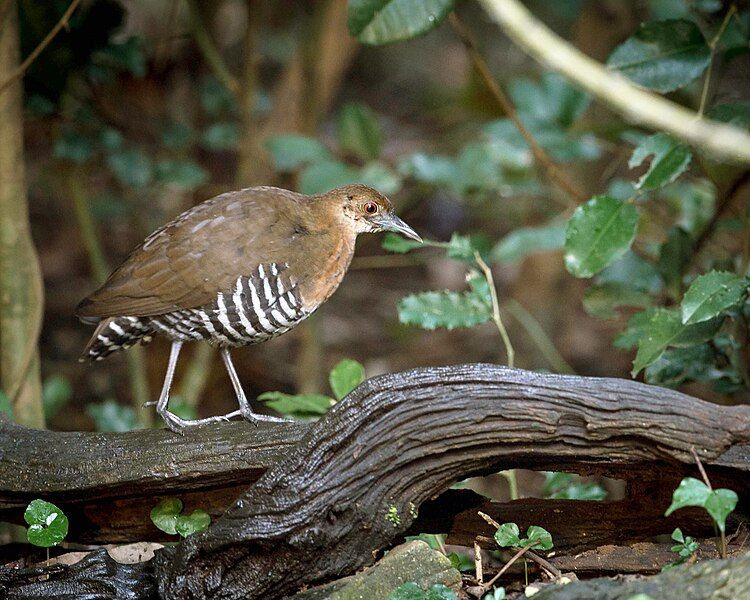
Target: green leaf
<point>346,376</point>
<point>553,99</point>
<point>221,136</point>
<point>463,247</point>
<point>56,393</point>
<point>690,492</point>
<point>663,55</point>
<point>181,173</point>
<point>48,524</point>
<point>359,131</point>
<point>670,160</point>
<point>565,486</point>
<point>215,98</point>
<point>380,177</point>
<point>602,300</point>
<point>719,504</point>
<point>377,22</point>
<point>131,167</point>
<point>440,592</point>
<point>164,514</point>
<point>177,136</point>
<point>735,113</point>
<point>408,591</point>
<point>519,243</point>
<point>290,152</point>
<point>461,562</point>
<point>598,233</point>
<point>711,294</point>
<point>393,242</point>
<point>664,328</point>
<point>127,56</point>
<point>497,593</point>
<point>507,535</point>
<point>302,406</point>
<point>693,363</point>
<point>323,176</point>
<point>199,520</point>
<point>444,309</point>
<point>430,168</point>
<point>677,535</point>
<point>111,416</point>
<point>5,406</point>
<point>541,536</point>
<point>111,139</point>
<point>634,271</point>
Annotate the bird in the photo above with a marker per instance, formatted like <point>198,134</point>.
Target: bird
<point>238,269</point>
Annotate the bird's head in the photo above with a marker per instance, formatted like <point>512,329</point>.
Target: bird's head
<point>366,210</point>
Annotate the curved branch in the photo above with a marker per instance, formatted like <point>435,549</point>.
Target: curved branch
<point>635,104</point>
<point>357,478</point>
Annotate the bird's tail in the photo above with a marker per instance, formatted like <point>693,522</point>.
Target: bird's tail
<point>116,333</point>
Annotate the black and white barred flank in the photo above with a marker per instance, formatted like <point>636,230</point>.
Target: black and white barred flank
<point>257,308</point>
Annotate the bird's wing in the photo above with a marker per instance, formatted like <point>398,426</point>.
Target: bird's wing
<point>200,253</point>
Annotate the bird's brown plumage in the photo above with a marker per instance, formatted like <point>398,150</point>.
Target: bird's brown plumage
<point>201,252</point>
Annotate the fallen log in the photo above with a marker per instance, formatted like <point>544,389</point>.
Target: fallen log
<point>356,479</point>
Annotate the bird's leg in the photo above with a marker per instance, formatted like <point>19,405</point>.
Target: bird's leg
<point>245,409</point>
<point>174,422</point>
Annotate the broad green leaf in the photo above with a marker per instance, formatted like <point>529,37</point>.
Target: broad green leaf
<point>664,328</point>
<point>131,167</point>
<point>221,136</point>
<point>719,504</point>
<point>711,294</point>
<point>291,151</point>
<point>384,21</point>
<point>670,160</point>
<point>519,243</point>
<point>430,168</point>
<point>690,492</point>
<point>462,247</point>
<point>677,535</point>
<point>443,309</point>
<point>56,393</point>
<point>735,113</point>
<point>346,376</point>
<point>634,271</point>
<point>164,514</point>
<point>566,486</point>
<point>478,169</point>
<point>197,521</point>
<point>603,300</point>
<point>111,139</point>
<point>303,406</point>
<point>553,99</point>
<point>359,131</point>
<point>541,536</point>
<point>674,258</point>
<point>693,363</point>
<point>177,136</point>
<point>408,591</point>
<point>215,98</point>
<point>634,332</point>
<point>181,173</point>
<point>598,233</point>
<point>440,591</point>
<point>694,201</point>
<point>5,406</point>
<point>507,535</point>
<point>663,55</point>
<point>393,242</point>
<point>497,593</point>
<point>112,416</point>
<point>323,176</point>
<point>461,562</point>
<point>48,524</point>
<point>380,177</point>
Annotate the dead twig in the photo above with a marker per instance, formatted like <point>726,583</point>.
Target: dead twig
<point>509,351</point>
<point>63,22</point>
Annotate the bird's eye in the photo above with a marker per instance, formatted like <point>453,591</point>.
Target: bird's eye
<point>371,208</point>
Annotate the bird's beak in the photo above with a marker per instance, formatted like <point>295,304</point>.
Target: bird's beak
<point>391,222</point>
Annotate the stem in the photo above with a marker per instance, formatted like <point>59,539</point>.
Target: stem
<point>722,534</point>
<point>208,49</point>
<point>638,106</point>
<point>507,565</point>
<point>712,44</point>
<point>478,572</point>
<point>496,309</point>
<point>552,170</point>
<point>137,374</point>
<point>63,22</point>
<point>538,336</point>
<point>510,475</point>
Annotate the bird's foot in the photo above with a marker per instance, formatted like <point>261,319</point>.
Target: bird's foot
<point>255,418</point>
<point>178,424</point>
